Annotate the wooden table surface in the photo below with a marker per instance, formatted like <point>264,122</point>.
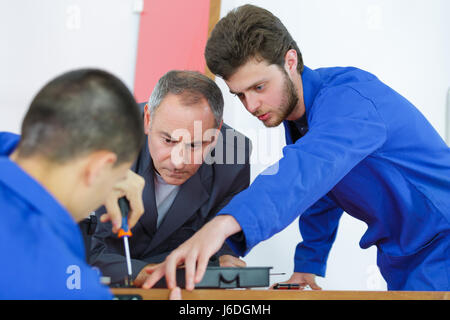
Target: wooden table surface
<point>221,294</point>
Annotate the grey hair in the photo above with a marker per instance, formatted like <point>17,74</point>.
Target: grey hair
<point>191,86</point>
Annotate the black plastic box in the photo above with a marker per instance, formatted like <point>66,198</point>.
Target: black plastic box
<point>221,277</point>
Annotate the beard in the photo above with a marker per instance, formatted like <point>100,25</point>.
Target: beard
<point>288,104</point>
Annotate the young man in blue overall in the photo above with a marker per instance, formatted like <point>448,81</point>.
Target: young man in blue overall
<point>79,138</point>
<point>353,145</point>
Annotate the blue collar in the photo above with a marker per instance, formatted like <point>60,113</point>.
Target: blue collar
<point>8,142</point>
<point>311,85</point>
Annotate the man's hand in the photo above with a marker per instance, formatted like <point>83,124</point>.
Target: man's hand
<point>174,294</point>
<point>144,273</point>
<point>225,261</point>
<point>304,279</point>
<point>131,188</point>
<point>229,261</point>
<point>195,253</point>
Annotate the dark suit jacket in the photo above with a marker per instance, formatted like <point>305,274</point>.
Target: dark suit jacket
<point>198,201</point>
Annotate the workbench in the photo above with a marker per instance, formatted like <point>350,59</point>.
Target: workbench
<point>267,294</point>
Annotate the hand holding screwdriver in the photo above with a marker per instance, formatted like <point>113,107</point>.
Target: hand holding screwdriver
<point>124,233</point>
<point>132,187</point>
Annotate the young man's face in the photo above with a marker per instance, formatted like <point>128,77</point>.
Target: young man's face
<point>266,91</point>
<point>178,137</point>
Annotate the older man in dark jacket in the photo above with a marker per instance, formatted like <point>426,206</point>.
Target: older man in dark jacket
<point>193,165</point>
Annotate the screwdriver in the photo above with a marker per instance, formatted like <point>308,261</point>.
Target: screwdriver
<point>124,233</point>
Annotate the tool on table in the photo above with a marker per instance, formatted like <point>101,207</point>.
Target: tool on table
<point>278,274</point>
<point>125,233</point>
<point>287,286</point>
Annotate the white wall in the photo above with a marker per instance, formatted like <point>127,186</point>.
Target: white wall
<point>41,39</point>
<point>406,43</point>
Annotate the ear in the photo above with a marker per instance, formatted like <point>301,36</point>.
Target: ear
<point>147,119</point>
<point>98,165</point>
<point>290,61</point>
<point>215,137</point>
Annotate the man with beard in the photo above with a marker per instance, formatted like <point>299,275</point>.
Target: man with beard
<point>353,144</point>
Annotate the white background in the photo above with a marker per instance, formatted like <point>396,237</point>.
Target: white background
<point>406,43</point>
<point>39,39</point>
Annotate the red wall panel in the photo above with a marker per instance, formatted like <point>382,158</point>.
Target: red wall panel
<point>172,35</point>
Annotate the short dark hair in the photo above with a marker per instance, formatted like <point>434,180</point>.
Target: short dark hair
<point>248,32</point>
<point>191,86</point>
<point>79,112</point>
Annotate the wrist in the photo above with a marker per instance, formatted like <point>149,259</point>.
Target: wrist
<point>227,224</point>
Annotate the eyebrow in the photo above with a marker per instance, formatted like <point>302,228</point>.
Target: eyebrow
<point>252,86</point>
<point>166,135</point>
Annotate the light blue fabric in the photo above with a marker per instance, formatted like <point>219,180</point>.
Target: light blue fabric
<point>40,244</point>
<point>368,152</point>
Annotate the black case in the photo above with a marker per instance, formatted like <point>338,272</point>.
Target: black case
<point>221,277</point>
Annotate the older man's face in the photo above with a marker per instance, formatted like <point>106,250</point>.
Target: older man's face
<point>178,136</point>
